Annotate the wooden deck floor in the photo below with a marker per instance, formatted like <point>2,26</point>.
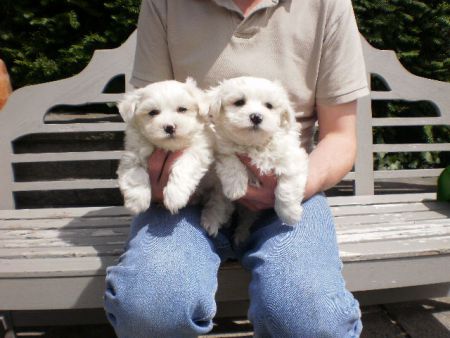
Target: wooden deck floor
<point>423,319</point>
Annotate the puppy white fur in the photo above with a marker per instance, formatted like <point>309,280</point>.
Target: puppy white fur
<point>253,116</point>
<point>170,115</point>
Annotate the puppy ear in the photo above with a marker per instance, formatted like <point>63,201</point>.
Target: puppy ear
<point>288,120</point>
<point>215,102</point>
<point>127,106</point>
<point>199,96</point>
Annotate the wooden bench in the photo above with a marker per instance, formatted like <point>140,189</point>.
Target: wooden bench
<point>61,223</point>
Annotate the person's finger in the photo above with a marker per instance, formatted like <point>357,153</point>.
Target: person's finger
<point>254,205</point>
<point>269,177</point>
<point>269,181</point>
<point>155,164</point>
<point>169,161</point>
<point>258,194</point>
<point>248,204</point>
<point>248,163</point>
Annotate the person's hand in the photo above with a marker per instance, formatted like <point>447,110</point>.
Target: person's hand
<point>262,197</point>
<point>159,165</point>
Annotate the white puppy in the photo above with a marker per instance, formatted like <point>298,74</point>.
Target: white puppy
<point>169,115</point>
<point>253,116</point>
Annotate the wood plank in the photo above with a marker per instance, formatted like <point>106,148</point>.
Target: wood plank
<point>409,173</point>
<point>61,242</point>
<point>67,156</point>
<point>47,213</point>
<point>65,223</point>
<point>392,249</point>
<point>387,208</point>
<point>80,127</point>
<point>428,318</point>
<point>407,121</point>
<point>396,295</point>
<point>393,217</point>
<point>396,273</point>
<point>394,234</point>
<point>394,226</point>
<point>56,267</point>
<point>65,234</point>
<point>381,199</point>
<point>410,147</point>
<point>61,252</point>
<point>377,324</point>
<point>72,184</point>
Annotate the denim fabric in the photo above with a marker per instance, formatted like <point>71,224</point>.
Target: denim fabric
<point>165,282</point>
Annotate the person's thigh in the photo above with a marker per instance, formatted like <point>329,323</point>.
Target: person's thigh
<point>297,288</point>
<point>165,282</point>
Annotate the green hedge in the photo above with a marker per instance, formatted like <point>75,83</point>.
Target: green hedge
<point>44,40</point>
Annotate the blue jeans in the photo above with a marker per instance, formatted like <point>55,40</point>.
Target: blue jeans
<point>165,282</point>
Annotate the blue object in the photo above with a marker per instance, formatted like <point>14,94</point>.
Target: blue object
<point>165,283</point>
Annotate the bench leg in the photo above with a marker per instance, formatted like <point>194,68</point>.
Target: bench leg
<point>6,327</point>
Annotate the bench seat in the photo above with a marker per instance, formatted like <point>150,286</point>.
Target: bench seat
<point>56,258</point>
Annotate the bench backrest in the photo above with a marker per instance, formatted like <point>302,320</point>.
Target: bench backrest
<point>26,111</point>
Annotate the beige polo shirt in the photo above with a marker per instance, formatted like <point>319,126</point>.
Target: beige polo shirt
<point>311,46</point>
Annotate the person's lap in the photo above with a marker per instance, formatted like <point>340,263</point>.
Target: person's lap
<point>165,283</point>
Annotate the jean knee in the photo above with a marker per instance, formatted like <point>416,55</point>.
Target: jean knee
<point>152,312</point>
<point>312,316</point>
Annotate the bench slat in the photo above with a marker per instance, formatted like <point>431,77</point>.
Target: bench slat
<point>65,223</point>
<point>59,242</point>
<point>111,217</point>
<point>67,156</point>
<point>402,247</point>
<point>407,173</point>
<point>46,213</point>
<point>380,199</point>
<point>64,234</point>
<point>60,252</point>
<point>65,185</point>
<point>387,208</point>
<point>392,217</point>
<point>411,147</point>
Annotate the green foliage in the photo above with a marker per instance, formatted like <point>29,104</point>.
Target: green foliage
<point>417,30</point>
<point>44,40</point>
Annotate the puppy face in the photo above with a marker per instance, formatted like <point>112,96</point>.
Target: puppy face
<point>167,113</point>
<point>250,110</point>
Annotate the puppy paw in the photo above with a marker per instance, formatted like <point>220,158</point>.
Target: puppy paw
<point>210,225</point>
<point>174,199</point>
<point>290,215</point>
<point>234,192</point>
<point>138,201</point>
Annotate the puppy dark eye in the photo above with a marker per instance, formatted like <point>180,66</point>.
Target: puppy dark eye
<point>269,105</point>
<point>239,103</point>
<point>153,112</point>
<point>182,109</point>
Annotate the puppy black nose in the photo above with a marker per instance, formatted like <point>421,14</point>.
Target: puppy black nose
<point>256,118</point>
<point>169,129</point>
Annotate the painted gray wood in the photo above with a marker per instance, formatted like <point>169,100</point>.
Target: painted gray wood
<point>24,114</point>
<point>25,110</point>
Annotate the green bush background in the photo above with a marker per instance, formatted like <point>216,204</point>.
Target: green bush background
<point>44,40</point>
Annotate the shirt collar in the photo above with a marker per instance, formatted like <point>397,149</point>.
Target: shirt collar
<point>230,5</point>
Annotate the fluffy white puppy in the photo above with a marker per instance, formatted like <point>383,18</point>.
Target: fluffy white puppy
<point>170,115</point>
<point>253,116</point>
